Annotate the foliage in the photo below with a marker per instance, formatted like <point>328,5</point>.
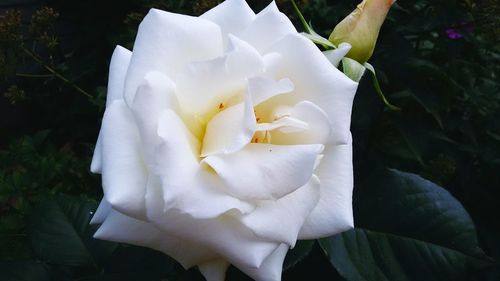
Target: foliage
<point>439,61</point>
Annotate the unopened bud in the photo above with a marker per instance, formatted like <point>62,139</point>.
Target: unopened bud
<point>361,28</point>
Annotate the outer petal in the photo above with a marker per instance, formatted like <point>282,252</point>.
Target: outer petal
<point>118,67</point>
<point>117,71</point>
<point>333,214</point>
<point>265,171</point>
<point>101,213</point>
<point>224,235</point>
<point>121,228</point>
<point>269,25</point>
<point>124,174</point>
<point>187,188</point>
<point>166,42</point>
<point>232,16</point>
<point>203,86</point>
<point>316,80</point>
<point>214,270</point>
<point>281,220</point>
<point>154,95</point>
<point>271,268</point>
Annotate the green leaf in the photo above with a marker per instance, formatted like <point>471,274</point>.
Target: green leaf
<point>298,253</point>
<point>408,228</point>
<point>24,271</point>
<point>60,233</point>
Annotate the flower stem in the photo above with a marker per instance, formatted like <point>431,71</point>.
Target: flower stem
<point>54,73</point>
<point>34,75</point>
<point>301,17</point>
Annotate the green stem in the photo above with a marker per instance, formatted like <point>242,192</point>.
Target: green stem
<point>57,74</point>
<point>301,17</point>
<point>34,75</point>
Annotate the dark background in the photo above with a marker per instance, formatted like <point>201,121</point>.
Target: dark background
<point>437,60</point>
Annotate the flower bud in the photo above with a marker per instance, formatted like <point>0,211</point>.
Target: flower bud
<point>361,28</point>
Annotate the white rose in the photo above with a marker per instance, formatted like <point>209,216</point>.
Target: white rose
<point>225,139</point>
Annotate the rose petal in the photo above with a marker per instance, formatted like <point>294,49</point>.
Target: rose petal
<point>124,173</point>
<point>203,87</point>
<point>262,88</point>
<point>316,80</point>
<point>214,270</point>
<point>155,94</point>
<point>224,235</point>
<point>118,67</point>
<point>281,220</point>
<point>271,268</point>
<point>318,128</point>
<point>117,71</point>
<point>333,214</point>
<point>166,42</point>
<point>269,26</point>
<point>120,228</point>
<point>230,130</point>
<point>186,186</point>
<point>101,213</point>
<point>336,55</point>
<point>232,16</point>
<point>265,171</point>
<point>285,124</point>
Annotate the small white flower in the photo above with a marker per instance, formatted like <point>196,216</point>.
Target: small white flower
<point>225,139</point>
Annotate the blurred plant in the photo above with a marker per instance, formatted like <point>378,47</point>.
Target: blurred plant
<point>30,168</point>
<point>15,45</point>
<point>204,5</point>
<point>441,169</point>
<point>42,27</point>
<point>15,95</point>
<point>487,12</point>
<point>10,39</point>
<point>455,31</point>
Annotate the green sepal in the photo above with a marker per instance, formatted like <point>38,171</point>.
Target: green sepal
<point>353,69</point>
<point>319,40</point>
<point>310,33</point>
<point>376,85</point>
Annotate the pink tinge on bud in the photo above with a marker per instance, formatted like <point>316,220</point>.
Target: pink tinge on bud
<point>361,28</point>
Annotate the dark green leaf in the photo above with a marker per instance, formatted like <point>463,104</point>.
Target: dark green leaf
<point>408,228</point>
<point>60,233</point>
<point>298,253</point>
<point>135,261</point>
<point>23,271</point>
